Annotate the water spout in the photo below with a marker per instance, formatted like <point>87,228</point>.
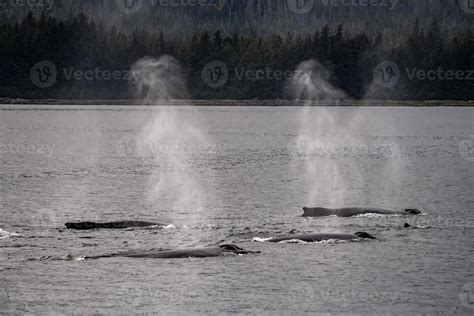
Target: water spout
<point>176,139</point>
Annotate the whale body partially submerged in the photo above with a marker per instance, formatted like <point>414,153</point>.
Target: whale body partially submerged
<point>223,250</point>
<point>111,225</point>
<point>318,237</point>
<point>353,211</point>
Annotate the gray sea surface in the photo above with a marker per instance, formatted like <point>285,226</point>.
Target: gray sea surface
<point>250,180</point>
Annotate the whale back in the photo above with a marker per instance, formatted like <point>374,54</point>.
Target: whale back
<point>353,211</point>
<point>109,225</point>
<point>81,225</point>
<point>317,212</point>
<point>180,253</point>
<point>318,237</point>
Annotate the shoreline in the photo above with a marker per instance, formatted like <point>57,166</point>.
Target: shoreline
<point>278,102</point>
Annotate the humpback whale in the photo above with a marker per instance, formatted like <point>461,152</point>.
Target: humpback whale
<point>222,250</point>
<point>353,211</point>
<point>323,236</point>
<point>110,225</point>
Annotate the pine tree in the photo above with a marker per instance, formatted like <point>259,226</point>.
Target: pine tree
<point>325,43</point>
<point>217,42</point>
<point>204,50</point>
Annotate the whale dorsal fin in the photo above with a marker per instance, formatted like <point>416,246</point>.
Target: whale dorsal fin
<point>364,235</point>
<point>230,247</point>
<point>413,211</point>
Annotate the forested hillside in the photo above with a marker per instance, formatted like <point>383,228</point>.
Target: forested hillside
<point>181,18</point>
<point>84,49</point>
<point>79,58</point>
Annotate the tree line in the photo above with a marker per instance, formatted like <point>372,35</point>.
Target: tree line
<point>92,61</point>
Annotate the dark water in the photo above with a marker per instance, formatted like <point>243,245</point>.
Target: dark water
<point>81,163</point>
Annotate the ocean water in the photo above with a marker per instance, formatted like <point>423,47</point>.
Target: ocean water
<point>71,163</point>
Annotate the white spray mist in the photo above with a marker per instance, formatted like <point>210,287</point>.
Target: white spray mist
<point>319,131</point>
<point>177,140</point>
